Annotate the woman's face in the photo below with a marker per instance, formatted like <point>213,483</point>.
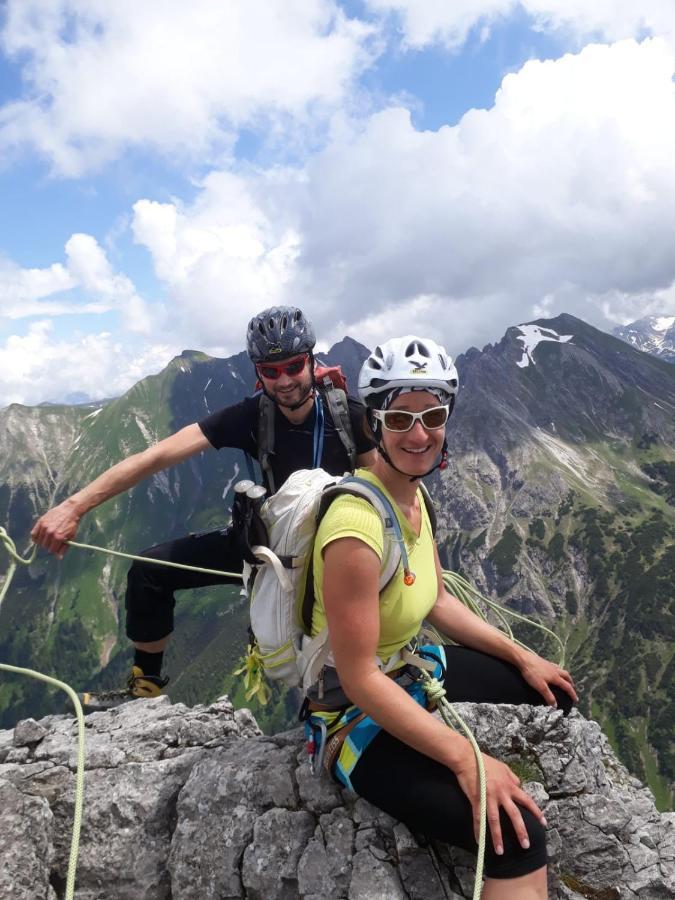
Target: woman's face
<point>414,451</point>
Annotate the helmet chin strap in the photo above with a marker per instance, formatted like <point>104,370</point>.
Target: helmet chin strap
<point>441,464</point>
<point>311,391</point>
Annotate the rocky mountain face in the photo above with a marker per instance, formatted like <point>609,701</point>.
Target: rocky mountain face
<point>195,802</point>
<point>653,334</point>
<point>558,501</point>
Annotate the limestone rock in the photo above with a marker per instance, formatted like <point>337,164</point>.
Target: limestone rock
<point>194,802</point>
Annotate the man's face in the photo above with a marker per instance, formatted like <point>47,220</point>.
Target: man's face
<point>287,381</point>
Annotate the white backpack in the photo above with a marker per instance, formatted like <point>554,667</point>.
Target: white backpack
<point>281,597</point>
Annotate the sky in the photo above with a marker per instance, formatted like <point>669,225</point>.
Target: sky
<point>168,169</point>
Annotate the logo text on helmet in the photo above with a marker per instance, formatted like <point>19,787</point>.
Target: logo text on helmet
<point>419,370</point>
<point>275,349</point>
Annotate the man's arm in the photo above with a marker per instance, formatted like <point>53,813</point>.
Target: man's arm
<point>60,523</point>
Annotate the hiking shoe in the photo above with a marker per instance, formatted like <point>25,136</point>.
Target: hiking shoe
<point>138,686</point>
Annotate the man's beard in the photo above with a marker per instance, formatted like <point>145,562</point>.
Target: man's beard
<point>295,397</point>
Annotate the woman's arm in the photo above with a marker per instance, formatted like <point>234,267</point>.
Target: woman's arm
<point>452,618</point>
<point>352,602</point>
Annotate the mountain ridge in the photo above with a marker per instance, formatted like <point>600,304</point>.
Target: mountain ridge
<point>558,501</point>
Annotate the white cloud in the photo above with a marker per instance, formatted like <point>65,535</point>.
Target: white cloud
<point>222,259</point>
<point>168,75</point>
<point>22,291</point>
<point>30,292</point>
<point>90,268</point>
<point>565,189</point>
<point>38,366</point>
<point>559,198</point>
<point>423,22</point>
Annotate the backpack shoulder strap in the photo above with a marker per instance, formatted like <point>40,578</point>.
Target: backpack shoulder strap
<point>431,511</point>
<point>266,438</point>
<point>394,546</point>
<point>339,411</point>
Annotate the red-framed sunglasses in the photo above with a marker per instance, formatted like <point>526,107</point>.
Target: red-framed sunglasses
<point>290,367</point>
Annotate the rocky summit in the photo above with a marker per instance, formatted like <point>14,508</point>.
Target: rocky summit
<point>195,802</point>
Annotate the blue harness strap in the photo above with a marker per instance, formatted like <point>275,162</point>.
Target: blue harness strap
<point>364,732</point>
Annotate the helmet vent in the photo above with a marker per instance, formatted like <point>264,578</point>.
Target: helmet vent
<point>374,363</point>
<point>415,347</point>
<point>284,323</point>
<point>378,352</point>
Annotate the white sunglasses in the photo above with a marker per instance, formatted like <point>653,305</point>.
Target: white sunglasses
<point>402,420</point>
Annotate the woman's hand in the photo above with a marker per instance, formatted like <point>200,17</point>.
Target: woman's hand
<point>541,674</point>
<point>503,790</point>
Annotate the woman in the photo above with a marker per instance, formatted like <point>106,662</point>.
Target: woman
<point>397,755</point>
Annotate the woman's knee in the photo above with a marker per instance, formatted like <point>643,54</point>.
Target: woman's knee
<point>563,700</point>
<point>516,860</point>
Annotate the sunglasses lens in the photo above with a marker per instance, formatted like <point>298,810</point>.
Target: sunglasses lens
<point>295,367</point>
<point>398,420</point>
<point>435,418</point>
<point>291,368</point>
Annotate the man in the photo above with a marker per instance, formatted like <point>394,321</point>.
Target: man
<point>280,343</point>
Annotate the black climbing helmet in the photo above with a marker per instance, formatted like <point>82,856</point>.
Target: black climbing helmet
<point>279,332</point>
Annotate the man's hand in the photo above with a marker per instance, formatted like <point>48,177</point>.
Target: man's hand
<point>57,526</point>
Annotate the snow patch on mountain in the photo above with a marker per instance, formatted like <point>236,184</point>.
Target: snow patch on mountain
<point>532,336</point>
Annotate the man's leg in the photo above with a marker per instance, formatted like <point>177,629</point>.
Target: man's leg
<point>150,603</point>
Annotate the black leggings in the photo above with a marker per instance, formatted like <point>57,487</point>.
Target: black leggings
<point>425,795</point>
<point>150,588</point>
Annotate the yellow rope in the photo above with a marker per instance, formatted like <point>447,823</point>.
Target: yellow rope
<point>154,562</point>
<point>471,596</point>
<point>16,560</point>
<point>79,777</point>
<point>436,693</point>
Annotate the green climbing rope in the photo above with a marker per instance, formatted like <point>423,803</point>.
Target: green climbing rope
<point>15,560</point>
<point>472,598</point>
<point>436,693</point>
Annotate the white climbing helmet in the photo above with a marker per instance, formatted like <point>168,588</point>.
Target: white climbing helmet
<point>407,362</point>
